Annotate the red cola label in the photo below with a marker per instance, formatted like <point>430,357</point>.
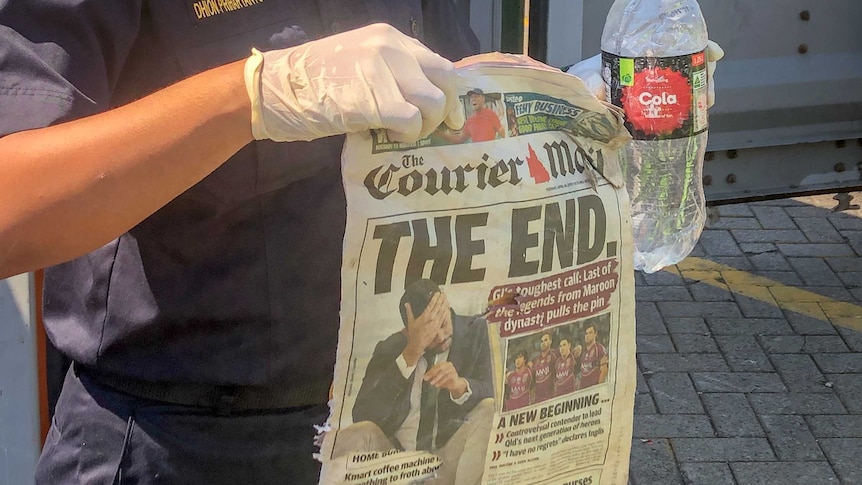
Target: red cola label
<point>663,97</point>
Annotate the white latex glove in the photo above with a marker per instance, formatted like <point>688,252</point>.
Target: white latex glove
<point>372,77</point>
<point>714,53</point>
<point>590,71</point>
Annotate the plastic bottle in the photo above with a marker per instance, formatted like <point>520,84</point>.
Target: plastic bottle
<point>654,65</point>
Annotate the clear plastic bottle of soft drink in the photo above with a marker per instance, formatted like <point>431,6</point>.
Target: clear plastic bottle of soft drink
<point>654,65</point>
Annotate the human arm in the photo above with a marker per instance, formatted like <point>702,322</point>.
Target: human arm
<point>480,377</point>
<point>422,330</point>
<point>603,368</point>
<point>384,396</point>
<point>470,355</point>
<point>471,358</point>
<point>498,127</point>
<point>507,388</point>
<point>443,375</point>
<point>71,188</point>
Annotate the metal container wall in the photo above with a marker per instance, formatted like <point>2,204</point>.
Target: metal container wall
<point>788,116</point>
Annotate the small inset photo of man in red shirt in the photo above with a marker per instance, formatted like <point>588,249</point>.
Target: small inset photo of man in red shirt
<point>483,119</point>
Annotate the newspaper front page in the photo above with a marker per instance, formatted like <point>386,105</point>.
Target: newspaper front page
<point>487,322</point>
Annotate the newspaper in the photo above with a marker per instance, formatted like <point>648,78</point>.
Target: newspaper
<point>487,321</point>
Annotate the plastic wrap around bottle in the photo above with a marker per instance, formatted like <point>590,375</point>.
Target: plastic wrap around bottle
<point>654,65</point>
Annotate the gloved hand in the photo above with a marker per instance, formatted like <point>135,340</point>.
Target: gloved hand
<point>590,71</point>
<point>372,77</point>
<point>714,53</point>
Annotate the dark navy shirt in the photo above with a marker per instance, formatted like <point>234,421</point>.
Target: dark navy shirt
<point>237,280</point>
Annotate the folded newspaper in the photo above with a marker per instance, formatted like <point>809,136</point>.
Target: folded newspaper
<point>487,321</point>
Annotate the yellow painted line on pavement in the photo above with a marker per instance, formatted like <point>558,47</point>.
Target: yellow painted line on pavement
<point>763,289</point>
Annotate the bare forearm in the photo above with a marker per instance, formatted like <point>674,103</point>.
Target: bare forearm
<point>71,188</point>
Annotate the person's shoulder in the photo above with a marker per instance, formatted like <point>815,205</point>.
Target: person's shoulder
<point>49,74</point>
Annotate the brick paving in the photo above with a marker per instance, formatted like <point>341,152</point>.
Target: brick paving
<point>750,351</point>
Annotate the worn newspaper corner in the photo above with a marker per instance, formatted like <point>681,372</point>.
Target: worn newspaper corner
<point>608,168</point>
<point>320,433</point>
<point>487,318</point>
